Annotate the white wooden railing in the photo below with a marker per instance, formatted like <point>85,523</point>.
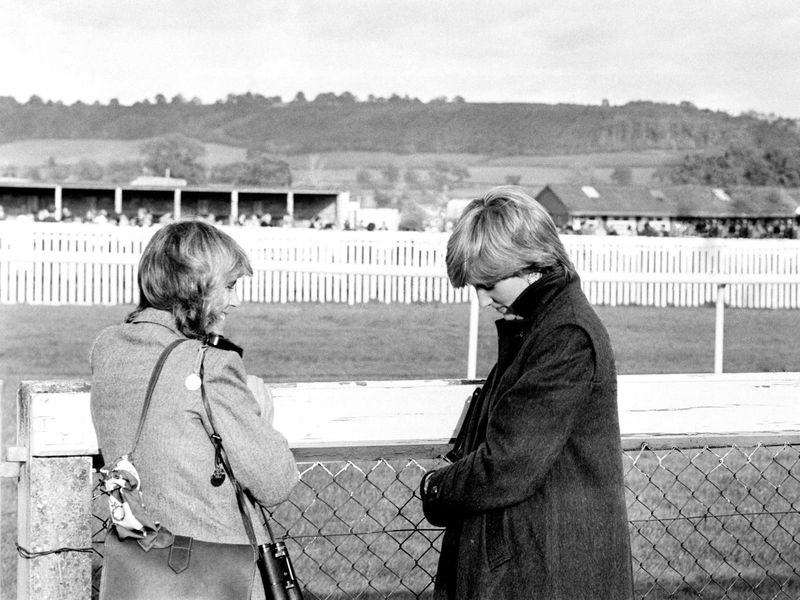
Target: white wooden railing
<point>61,263</point>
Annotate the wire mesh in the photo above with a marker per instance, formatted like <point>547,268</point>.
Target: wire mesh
<point>709,523</point>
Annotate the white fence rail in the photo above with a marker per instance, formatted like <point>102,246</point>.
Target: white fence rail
<point>61,263</point>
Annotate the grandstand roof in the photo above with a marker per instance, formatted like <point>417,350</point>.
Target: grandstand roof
<point>21,184</point>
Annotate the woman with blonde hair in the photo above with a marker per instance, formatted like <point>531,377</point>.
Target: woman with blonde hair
<point>187,280</point>
<point>533,501</point>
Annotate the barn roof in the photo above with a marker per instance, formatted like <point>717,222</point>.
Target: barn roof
<point>676,201</point>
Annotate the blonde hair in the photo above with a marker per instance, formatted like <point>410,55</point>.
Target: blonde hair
<point>185,269</point>
<point>502,234</point>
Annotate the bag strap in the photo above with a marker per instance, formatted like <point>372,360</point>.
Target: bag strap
<point>216,439</point>
<point>152,386</point>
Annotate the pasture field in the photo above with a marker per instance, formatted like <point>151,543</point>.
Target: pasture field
<point>340,168</point>
<point>328,342</point>
<point>36,152</point>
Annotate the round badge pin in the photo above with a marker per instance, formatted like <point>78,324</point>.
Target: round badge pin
<point>192,382</point>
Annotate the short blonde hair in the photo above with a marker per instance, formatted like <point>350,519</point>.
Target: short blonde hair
<point>502,234</point>
<point>185,269</point>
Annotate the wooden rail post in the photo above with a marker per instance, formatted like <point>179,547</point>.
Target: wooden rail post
<point>54,507</point>
<point>118,200</point>
<point>176,203</point>
<point>234,218</point>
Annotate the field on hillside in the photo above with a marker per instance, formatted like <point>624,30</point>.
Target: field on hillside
<point>37,152</point>
<point>341,167</point>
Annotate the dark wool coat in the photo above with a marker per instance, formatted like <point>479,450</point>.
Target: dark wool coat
<point>535,506</point>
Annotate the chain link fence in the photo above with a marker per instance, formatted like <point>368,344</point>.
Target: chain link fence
<point>710,523</point>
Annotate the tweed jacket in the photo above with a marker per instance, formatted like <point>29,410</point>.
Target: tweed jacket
<point>534,503</point>
<point>175,457</point>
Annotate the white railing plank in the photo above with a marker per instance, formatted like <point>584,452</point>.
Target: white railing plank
<point>655,410</point>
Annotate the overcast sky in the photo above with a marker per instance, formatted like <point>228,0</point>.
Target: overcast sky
<point>731,55</point>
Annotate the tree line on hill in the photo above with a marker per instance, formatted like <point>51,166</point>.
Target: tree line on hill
<point>740,165</point>
<point>332,122</point>
<point>721,149</point>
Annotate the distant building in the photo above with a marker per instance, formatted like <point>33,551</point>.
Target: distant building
<point>459,198</point>
<point>155,181</point>
<point>226,203</point>
<point>666,210</point>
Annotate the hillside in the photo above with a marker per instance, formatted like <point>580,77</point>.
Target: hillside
<point>341,124</point>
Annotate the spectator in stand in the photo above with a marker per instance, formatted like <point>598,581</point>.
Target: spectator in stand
<point>252,221</point>
<point>143,217</point>
<point>47,214</point>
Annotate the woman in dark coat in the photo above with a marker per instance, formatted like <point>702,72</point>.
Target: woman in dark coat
<point>533,503</point>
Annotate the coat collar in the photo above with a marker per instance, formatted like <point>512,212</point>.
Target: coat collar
<point>540,293</point>
<point>157,317</point>
<point>531,305</point>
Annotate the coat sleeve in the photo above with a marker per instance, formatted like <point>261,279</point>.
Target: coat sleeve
<point>259,454</point>
<point>528,427</point>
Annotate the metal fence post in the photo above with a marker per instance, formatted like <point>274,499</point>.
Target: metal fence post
<point>719,328</point>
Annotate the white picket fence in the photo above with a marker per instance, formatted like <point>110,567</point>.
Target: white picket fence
<point>63,263</point>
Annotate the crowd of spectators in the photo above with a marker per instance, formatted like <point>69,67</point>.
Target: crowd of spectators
<point>760,228</point>
<point>145,218</point>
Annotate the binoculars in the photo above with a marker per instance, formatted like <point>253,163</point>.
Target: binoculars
<point>277,572</point>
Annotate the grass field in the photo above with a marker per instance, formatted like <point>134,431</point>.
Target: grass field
<point>315,342</point>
